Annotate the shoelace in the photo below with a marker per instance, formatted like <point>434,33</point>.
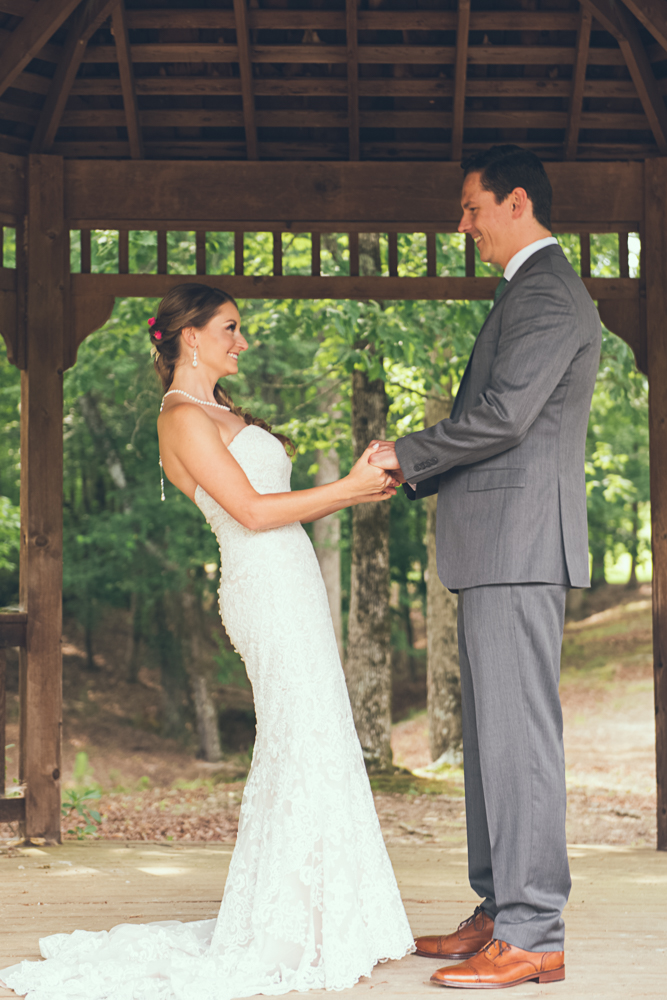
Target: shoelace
<point>472,919</point>
<point>503,946</point>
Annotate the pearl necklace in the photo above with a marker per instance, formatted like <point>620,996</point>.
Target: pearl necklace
<point>202,402</point>
<point>195,399</point>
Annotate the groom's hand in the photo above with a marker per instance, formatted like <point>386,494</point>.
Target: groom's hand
<point>385,457</point>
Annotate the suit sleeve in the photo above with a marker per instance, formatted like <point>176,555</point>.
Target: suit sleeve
<point>426,488</point>
<point>538,342</point>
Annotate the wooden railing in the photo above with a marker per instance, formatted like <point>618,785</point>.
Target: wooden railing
<point>13,625</point>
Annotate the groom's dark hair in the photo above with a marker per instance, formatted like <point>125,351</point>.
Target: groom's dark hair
<point>503,168</point>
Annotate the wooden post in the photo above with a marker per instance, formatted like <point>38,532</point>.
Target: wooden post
<point>654,262</point>
<point>41,499</point>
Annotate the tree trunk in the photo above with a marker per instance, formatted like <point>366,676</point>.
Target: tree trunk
<point>443,675</point>
<point>326,536</point>
<point>207,720</point>
<point>633,582</point>
<point>368,665</point>
<point>199,672</point>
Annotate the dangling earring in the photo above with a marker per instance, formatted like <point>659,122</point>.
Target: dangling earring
<point>194,359</point>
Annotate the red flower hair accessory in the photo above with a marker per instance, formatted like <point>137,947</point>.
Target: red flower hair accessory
<point>157,333</point>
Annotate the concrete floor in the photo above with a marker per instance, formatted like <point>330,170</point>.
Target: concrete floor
<point>616,919</point>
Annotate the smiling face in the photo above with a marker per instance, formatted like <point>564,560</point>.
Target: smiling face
<point>218,344</point>
<point>499,229</point>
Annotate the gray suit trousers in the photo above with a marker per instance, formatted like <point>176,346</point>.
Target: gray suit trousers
<point>509,643</point>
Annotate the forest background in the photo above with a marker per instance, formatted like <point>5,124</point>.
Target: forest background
<point>330,374</point>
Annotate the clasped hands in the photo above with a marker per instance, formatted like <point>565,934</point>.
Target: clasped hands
<point>376,474</point>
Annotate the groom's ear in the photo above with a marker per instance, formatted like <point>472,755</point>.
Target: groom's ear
<point>520,203</point>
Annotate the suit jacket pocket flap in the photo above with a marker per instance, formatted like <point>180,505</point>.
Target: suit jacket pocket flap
<point>495,479</point>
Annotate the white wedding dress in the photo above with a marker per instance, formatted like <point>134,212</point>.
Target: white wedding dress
<point>311,900</point>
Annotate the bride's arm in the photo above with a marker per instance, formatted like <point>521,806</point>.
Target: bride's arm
<point>192,437</point>
<point>389,491</point>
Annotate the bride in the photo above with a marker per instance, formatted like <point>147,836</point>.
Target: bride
<point>311,900</point>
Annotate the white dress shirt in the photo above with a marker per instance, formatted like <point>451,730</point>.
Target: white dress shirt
<point>515,262</point>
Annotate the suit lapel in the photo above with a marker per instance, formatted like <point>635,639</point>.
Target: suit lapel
<point>514,281</point>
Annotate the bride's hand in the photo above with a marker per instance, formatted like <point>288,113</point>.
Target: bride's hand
<point>365,479</point>
<point>377,497</point>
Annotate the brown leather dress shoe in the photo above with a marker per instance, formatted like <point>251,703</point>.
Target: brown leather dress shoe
<point>500,965</point>
<point>465,942</point>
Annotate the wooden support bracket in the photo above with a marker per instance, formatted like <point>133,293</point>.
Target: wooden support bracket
<point>460,77</point>
<point>578,84</point>
<point>351,34</point>
<point>126,73</point>
<point>245,72</point>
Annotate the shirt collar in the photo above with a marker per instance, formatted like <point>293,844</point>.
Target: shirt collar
<point>522,255</point>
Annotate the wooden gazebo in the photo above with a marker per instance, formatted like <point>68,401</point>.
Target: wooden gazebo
<point>307,116</point>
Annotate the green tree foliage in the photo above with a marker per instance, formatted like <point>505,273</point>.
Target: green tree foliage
<point>125,549</point>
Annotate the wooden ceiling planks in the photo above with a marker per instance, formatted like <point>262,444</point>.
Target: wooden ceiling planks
<point>344,82</point>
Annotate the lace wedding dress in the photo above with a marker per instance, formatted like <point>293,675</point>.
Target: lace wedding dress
<point>311,900</point>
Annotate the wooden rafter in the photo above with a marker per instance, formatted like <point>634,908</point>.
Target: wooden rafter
<point>578,82</point>
<point>428,55</point>
<point>126,74</point>
<point>618,20</point>
<point>352,36</point>
<point>31,35</point>
<point>653,15</point>
<point>85,23</point>
<point>245,73</point>
<point>460,75</point>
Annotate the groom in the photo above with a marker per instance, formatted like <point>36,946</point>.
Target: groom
<point>508,468</point>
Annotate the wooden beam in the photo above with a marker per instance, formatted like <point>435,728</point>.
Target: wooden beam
<point>352,39</point>
<point>86,251</point>
<point>32,33</point>
<point>392,240</point>
<point>616,19</point>
<point>315,118</point>
<point>294,286</point>
<point>460,76</point>
<point>585,250</point>
<point>578,82</point>
<point>315,255</point>
<point>470,256</point>
<point>653,15</point>
<point>245,72</point>
<point>40,680</point>
<point>598,194</point>
<point>162,251</point>
<point>353,244</point>
<point>277,254</point>
<point>654,264</point>
<point>431,256</point>
<point>334,20</point>
<point>12,811</point>
<point>13,626</point>
<point>85,22</point>
<point>200,251</point>
<point>126,73</point>
<point>297,151</point>
<point>12,187</point>
<point>307,86</point>
<point>238,252</point>
<point>433,55</point>
<point>123,251</point>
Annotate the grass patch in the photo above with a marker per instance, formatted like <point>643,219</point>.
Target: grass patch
<point>404,783</point>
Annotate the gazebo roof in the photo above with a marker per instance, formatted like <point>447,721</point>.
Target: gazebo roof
<point>330,80</point>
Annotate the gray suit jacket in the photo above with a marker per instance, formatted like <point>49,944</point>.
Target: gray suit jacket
<point>508,465</point>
